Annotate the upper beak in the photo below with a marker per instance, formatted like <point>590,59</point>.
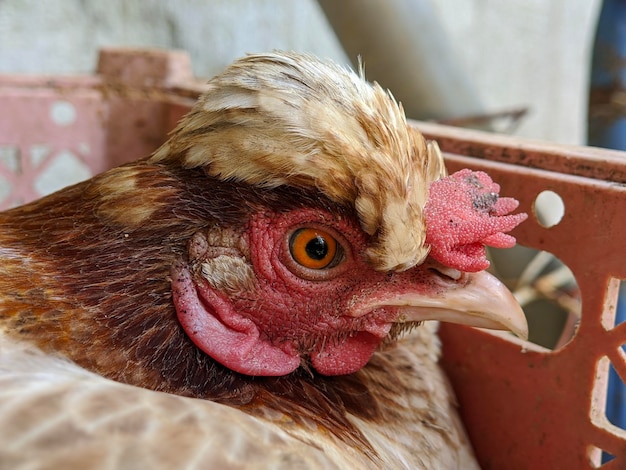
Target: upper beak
<point>477,299</point>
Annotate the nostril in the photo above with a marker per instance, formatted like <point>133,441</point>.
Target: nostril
<point>445,271</point>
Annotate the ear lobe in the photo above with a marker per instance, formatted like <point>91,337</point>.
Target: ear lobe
<point>231,339</point>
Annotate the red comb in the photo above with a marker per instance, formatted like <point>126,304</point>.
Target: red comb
<point>463,214</point>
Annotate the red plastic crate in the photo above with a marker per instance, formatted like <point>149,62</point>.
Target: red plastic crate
<point>524,406</point>
<point>57,130</point>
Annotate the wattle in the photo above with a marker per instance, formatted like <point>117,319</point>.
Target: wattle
<point>347,356</point>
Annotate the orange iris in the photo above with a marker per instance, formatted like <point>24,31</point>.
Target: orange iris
<point>313,248</point>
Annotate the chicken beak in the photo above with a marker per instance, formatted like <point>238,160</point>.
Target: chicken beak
<point>479,300</point>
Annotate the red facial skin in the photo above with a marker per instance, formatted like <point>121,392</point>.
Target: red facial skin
<point>295,311</point>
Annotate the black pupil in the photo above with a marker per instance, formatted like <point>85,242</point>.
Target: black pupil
<point>317,248</point>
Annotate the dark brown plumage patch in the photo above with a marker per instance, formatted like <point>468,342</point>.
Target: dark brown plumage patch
<point>82,277</point>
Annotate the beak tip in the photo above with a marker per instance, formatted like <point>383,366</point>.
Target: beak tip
<point>521,333</point>
<point>511,317</point>
<point>516,322</point>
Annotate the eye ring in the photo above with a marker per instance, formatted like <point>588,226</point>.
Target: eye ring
<point>313,248</point>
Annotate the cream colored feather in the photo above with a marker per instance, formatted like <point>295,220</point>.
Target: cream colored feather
<point>56,415</point>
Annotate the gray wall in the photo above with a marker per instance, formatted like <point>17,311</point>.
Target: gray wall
<point>516,53</point>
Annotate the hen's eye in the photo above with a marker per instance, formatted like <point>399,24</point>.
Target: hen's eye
<point>313,248</point>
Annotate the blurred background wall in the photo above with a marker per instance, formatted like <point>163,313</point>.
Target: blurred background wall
<point>531,54</point>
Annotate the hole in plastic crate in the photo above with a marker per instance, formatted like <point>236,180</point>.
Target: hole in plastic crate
<point>5,190</point>
<point>545,288</point>
<point>63,113</point>
<point>10,158</point>
<point>38,154</point>
<point>620,309</point>
<point>616,390</point>
<point>594,452</point>
<point>548,208</point>
<point>616,395</point>
<point>65,169</point>
<point>601,405</point>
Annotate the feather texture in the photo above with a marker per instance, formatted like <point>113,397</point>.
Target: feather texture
<point>54,414</point>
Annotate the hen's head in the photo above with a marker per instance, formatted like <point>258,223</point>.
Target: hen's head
<point>288,119</point>
<point>330,280</point>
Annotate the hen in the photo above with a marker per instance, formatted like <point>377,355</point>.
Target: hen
<point>248,296</point>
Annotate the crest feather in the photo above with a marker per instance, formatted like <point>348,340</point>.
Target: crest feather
<point>292,119</point>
